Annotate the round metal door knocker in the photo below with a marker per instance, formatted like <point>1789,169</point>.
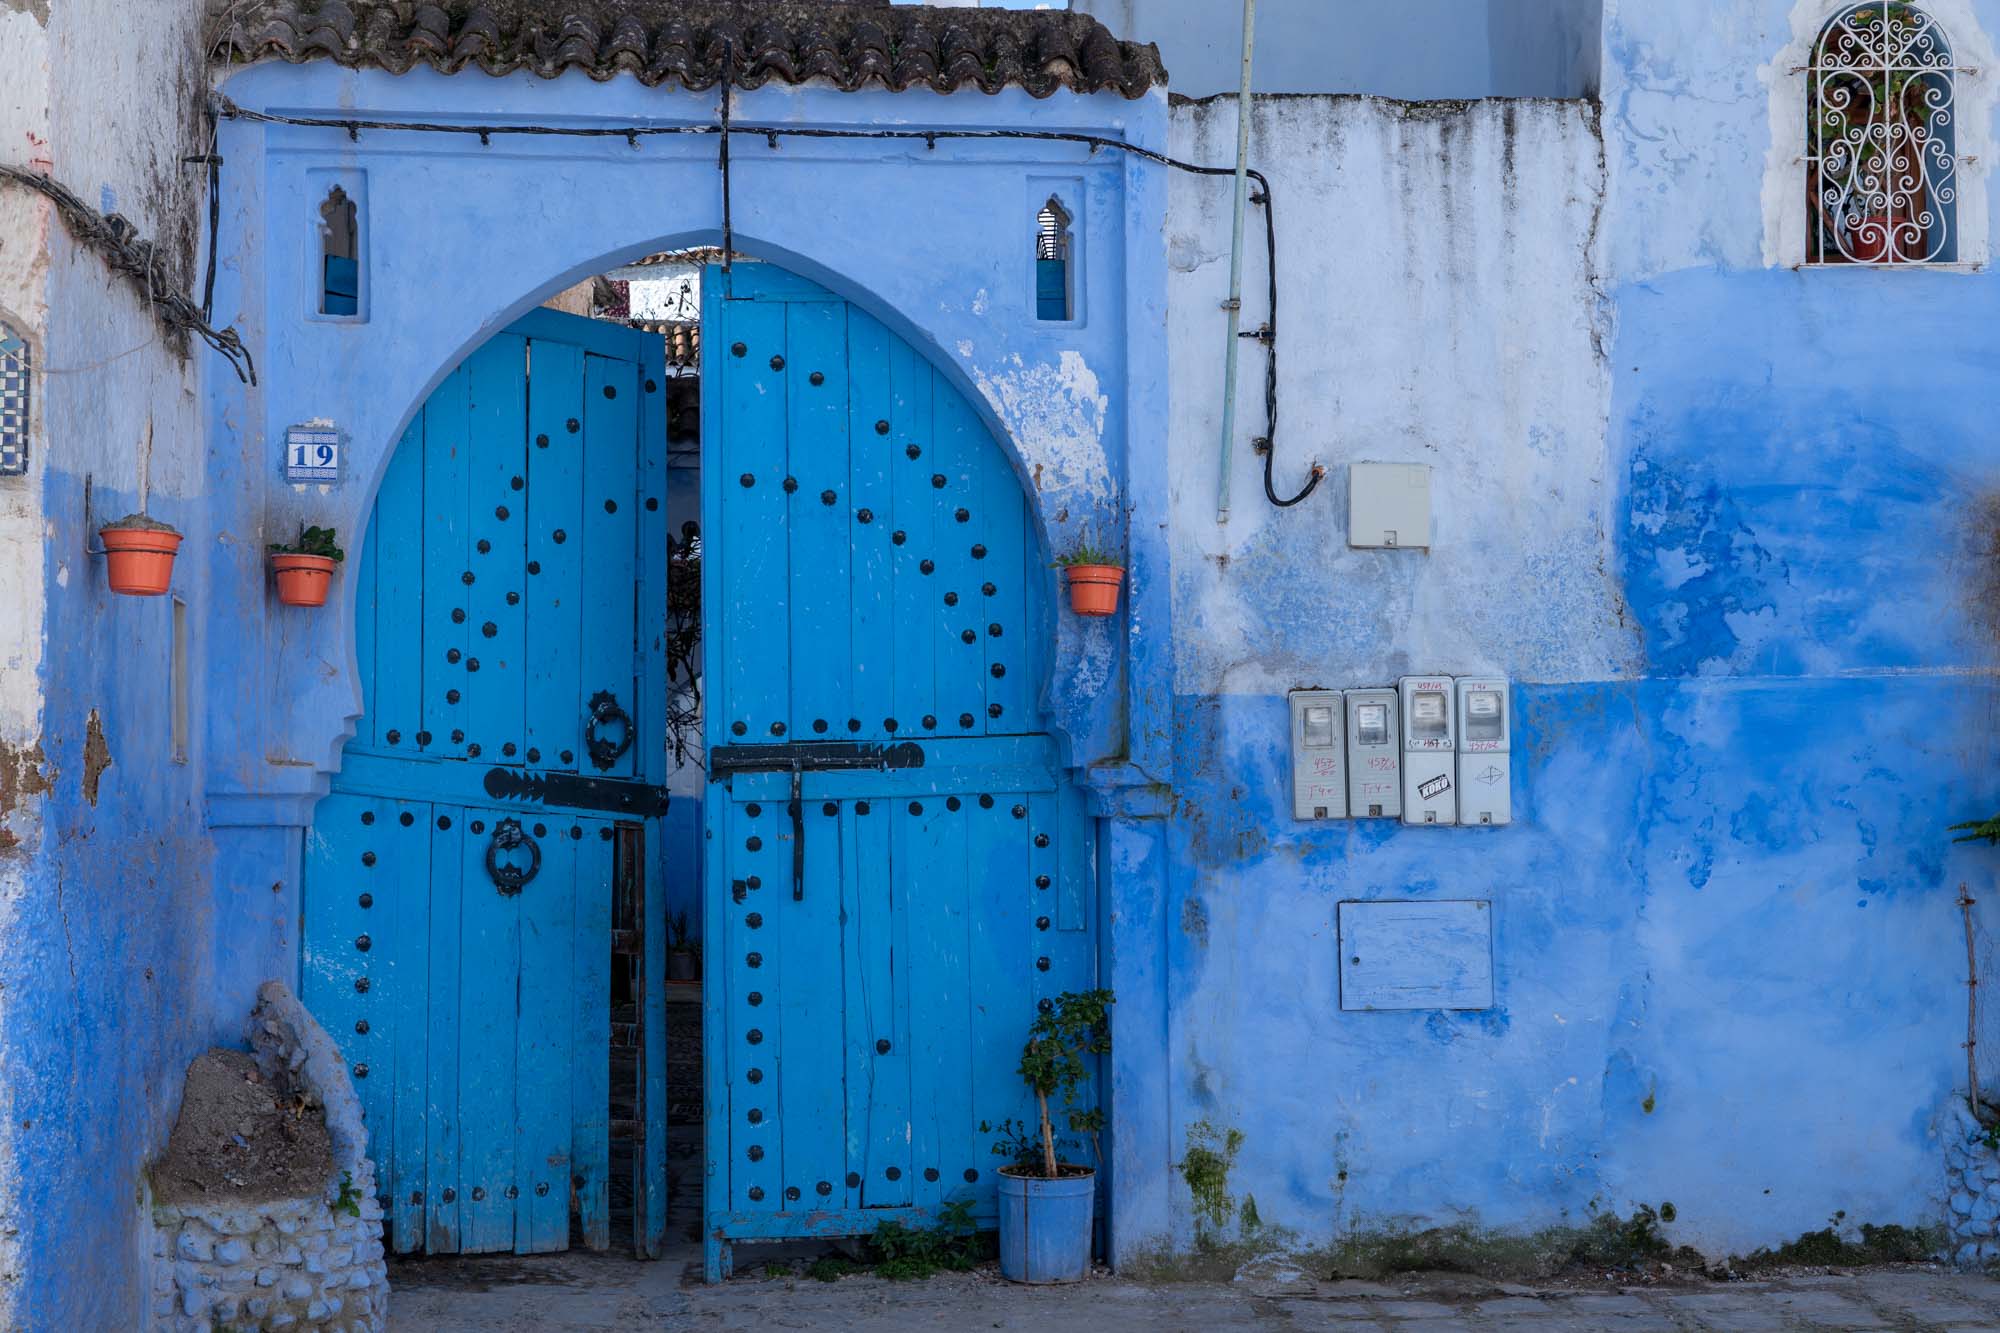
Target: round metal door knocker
<point>511,878</point>
<point>605,712</point>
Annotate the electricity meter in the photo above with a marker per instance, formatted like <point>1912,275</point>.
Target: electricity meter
<point>1374,755</point>
<point>1429,752</point>
<point>1319,755</point>
<point>1485,751</point>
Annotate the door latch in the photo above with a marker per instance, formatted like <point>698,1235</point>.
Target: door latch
<point>800,757</point>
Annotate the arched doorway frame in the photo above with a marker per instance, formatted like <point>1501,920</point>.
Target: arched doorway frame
<point>951,220</point>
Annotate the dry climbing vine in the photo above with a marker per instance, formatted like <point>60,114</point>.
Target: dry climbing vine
<point>683,644</point>
<point>139,262</point>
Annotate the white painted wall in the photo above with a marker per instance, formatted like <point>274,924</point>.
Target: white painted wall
<point>24,222</point>
<point>24,88</point>
<point>1439,304</point>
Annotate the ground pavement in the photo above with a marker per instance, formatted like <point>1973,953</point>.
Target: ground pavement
<point>559,1293</point>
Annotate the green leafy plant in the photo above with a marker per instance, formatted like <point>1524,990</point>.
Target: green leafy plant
<point>906,1254</point>
<point>1056,1061</point>
<point>1017,1141</point>
<point>1088,552</point>
<point>677,933</point>
<point>831,1268</point>
<point>312,541</point>
<point>349,1199</point>
<point>1977,830</point>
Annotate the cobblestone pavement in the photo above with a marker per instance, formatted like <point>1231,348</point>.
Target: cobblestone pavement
<point>579,1292</point>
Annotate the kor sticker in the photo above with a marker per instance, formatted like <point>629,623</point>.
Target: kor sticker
<point>1436,787</point>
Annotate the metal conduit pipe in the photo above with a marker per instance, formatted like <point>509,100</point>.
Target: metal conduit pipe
<point>1234,305</point>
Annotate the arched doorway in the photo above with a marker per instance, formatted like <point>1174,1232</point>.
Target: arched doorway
<point>898,873</point>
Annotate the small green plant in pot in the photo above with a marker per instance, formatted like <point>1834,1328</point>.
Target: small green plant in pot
<point>1094,574</point>
<point>683,952</point>
<point>304,568</point>
<point>1046,1203</point>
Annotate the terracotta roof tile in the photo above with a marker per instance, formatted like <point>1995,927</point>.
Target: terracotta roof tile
<point>853,45</point>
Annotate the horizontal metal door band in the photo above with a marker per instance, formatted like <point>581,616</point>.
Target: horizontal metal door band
<point>484,784</point>
<point>959,780</point>
<point>812,756</point>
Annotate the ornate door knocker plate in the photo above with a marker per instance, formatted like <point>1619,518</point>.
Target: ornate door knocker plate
<point>605,712</point>
<point>510,879</point>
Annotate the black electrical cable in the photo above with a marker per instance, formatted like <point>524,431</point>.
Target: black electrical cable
<point>214,214</point>
<point>1267,335</point>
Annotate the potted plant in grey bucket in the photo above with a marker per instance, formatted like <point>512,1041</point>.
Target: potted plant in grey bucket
<point>683,954</point>
<point>1046,1204</point>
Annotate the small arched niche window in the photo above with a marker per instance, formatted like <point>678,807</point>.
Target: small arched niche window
<point>340,255</point>
<point>1052,262</point>
<point>1881,168</point>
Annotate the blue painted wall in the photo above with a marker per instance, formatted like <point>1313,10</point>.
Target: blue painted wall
<point>1413,49</point>
<point>1728,955</point>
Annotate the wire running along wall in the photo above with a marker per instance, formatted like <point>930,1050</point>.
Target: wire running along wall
<point>726,129</point>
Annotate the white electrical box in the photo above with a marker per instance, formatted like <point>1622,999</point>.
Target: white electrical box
<point>1389,504</point>
<point>1485,751</point>
<point>1374,755</point>
<point>1430,760</point>
<point>1319,755</point>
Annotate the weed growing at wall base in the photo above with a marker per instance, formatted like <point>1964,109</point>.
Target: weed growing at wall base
<point>954,1245</point>
<point>1891,1244</point>
<point>1205,1167</point>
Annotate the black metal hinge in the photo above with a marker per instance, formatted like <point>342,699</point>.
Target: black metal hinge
<point>576,791</point>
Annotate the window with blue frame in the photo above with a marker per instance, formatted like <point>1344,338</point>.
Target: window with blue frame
<point>340,253</point>
<point>1053,300</point>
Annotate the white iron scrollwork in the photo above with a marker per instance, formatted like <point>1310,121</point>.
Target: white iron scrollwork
<point>1881,169</point>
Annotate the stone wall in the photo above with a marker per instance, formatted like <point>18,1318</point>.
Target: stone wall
<point>1972,1186</point>
<point>309,1263</point>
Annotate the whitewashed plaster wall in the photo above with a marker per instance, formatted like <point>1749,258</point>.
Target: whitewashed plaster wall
<point>24,223</point>
<point>1439,304</point>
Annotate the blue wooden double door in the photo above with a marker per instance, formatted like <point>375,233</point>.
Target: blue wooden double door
<point>899,877</point>
<point>475,889</point>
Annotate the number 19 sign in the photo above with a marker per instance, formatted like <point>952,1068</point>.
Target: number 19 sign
<point>312,452</point>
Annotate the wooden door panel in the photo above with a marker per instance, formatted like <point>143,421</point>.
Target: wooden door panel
<point>872,580</point>
<point>502,583</point>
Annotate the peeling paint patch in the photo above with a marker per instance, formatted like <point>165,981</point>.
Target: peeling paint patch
<point>38,10</point>
<point>96,757</point>
<point>23,774</point>
<point>1056,414</point>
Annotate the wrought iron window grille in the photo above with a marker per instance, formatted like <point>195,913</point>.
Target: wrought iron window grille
<point>1881,160</point>
<point>14,416</point>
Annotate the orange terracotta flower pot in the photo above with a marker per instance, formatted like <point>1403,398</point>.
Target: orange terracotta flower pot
<point>1093,589</point>
<point>139,562</point>
<point>303,580</point>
